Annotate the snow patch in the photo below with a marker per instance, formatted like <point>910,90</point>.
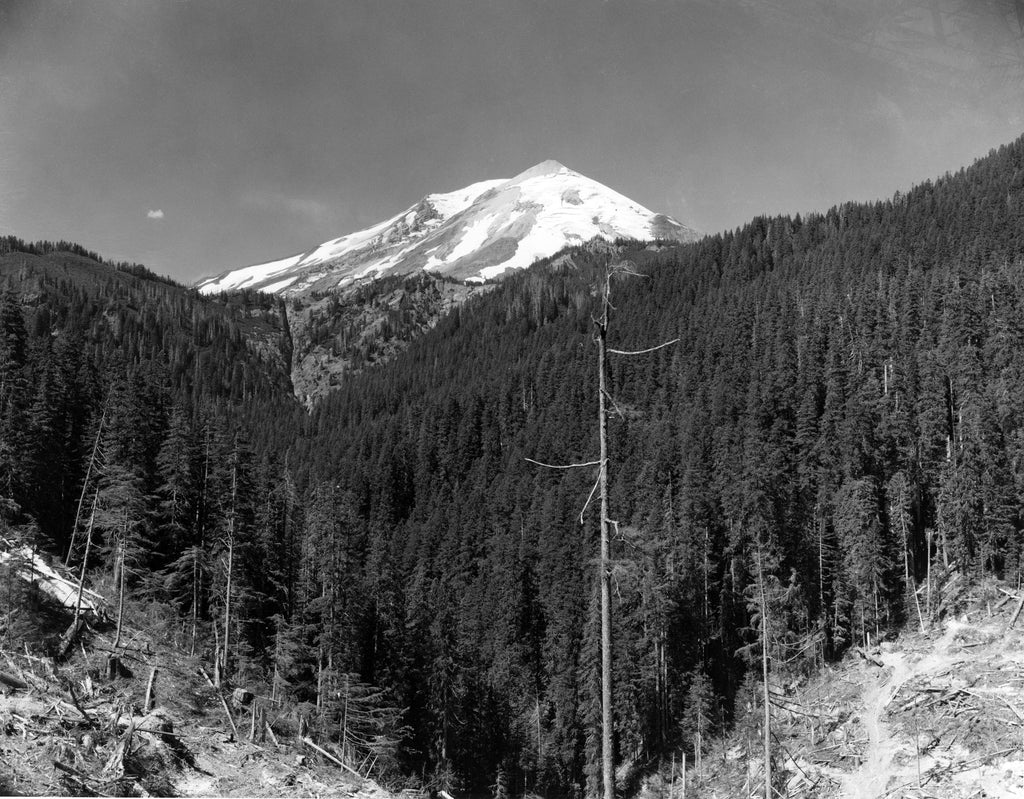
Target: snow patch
<point>473,237</point>
<point>271,288</point>
<point>250,274</point>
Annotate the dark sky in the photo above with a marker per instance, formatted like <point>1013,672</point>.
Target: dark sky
<point>199,136</point>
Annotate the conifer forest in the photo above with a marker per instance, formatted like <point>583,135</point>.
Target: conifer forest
<point>836,420</point>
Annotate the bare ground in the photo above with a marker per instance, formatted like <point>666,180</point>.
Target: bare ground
<point>936,714</point>
<point>75,731</point>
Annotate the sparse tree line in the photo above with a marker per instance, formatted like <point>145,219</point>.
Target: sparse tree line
<point>840,424</point>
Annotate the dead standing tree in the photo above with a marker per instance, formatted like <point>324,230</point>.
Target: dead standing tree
<point>229,542</point>
<point>601,489</point>
<point>95,464</point>
<point>68,639</point>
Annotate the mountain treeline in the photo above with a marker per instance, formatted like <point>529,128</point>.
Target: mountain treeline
<point>840,422</point>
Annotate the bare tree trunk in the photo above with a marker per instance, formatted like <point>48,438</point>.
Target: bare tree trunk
<point>149,690</point>
<point>231,563</point>
<point>604,561</point>
<point>706,609</point>
<point>200,544</point>
<point>120,592</point>
<point>911,583</point>
<point>344,720</point>
<point>874,594</point>
<point>764,677</point>
<point>85,559</point>
<point>216,653</point>
<point>320,680</point>
<point>824,621</point>
<point>928,574</point>
<point>321,658</point>
<point>85,484</point>
<point>698,754</point>
<point>227,607</point>
<point>277,658</point>
<point>607,754</point>
<point>195,600</point>
<point>539,742</point>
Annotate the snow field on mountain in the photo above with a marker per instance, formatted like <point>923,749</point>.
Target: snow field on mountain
<point>473,233</point>
<point>280,284</point>
<point>240,278</point>
<point>353,241</point>
<point>447,205</point>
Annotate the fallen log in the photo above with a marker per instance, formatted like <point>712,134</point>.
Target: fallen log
<point>69,770</point>
<point>158,722</point>
<point>1016,614</point>
<point>308,742</point>
<point>223,704</point>
<point>67,640</point>
<point>13,682</point>
<point>870,658</point>
<point>30,567</point>
<point>123,649</point>
<point>149,691</point>
<point>80,709</point>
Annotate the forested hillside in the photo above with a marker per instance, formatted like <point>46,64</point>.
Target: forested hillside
<point>844,400</point>
<point>115,386</point>
<point>841,419</point>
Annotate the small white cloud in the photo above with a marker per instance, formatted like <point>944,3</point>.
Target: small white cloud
<point>157,214</point>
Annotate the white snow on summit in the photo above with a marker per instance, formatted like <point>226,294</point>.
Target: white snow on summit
<point>575,209</point>
<point>475,233</point>
<point>454,201</point>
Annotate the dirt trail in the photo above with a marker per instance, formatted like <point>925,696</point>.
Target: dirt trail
<point>870,780</point>
<point>878,769</point>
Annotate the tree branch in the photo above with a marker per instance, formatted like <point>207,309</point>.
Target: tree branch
<point>309,742</point>
<point>611,399</point>
<point>642,352</point>
<point>590,496</point>
<point>615,524</point>
<point>566,466</point>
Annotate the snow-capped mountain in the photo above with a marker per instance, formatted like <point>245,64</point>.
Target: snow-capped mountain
<point>474,234</point>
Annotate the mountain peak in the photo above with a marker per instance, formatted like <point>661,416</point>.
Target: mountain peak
<point>549,167</point>
<point>475,233</point>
